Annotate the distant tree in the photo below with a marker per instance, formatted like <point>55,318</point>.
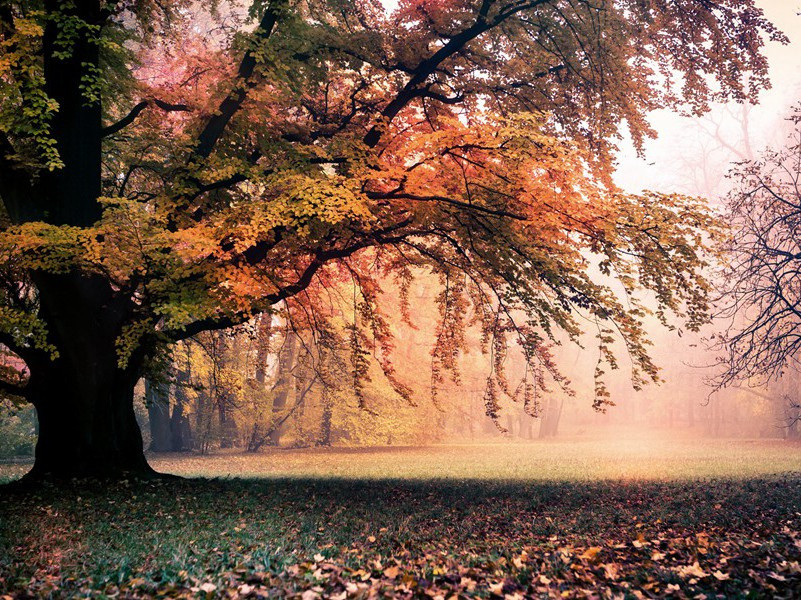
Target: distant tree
<point>762,294</point>
<point>167,168</point>
<point>157,400</point>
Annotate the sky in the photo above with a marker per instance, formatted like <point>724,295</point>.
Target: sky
<point>681,139</point>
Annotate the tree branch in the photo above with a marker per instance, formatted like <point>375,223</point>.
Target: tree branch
<point>321,257</point>
<point>136,110</point>
<point>427,67</point>
<point>13,389</point>
<point>217,123</point>
<point>446,200</point>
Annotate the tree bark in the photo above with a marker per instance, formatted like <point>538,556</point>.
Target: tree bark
<point>286,362</point>
<point>179,423</point>
<point>158,412</point>
<point>87,434</point>
<point>82,393</point>
<point>84,403</point>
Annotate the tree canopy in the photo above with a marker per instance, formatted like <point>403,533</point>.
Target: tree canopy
<point>172,167</point>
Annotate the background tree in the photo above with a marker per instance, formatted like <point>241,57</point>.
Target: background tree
<point>157,400</point>
<point>167,168</point>
<point>762,294</point>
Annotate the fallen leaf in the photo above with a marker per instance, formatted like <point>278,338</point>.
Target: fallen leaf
<point>391,572</point>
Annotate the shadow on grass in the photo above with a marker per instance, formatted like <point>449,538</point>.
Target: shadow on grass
<point>293,534</point>
<point>728,502</point>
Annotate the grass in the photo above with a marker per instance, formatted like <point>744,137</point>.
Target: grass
<point>627,518</point>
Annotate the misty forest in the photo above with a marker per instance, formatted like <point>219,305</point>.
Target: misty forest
<point>415,298</point>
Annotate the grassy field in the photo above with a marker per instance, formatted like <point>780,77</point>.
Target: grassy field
<point>625,518</point>
<point>623,457</point>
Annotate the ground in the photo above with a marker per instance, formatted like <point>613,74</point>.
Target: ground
<point>568,518</point>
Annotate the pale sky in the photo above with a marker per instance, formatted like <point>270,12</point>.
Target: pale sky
<point>681,140</point>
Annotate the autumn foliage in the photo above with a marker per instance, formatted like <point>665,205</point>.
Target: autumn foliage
<point>168,168</point>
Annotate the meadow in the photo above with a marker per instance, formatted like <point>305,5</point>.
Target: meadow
<point>629,516</point>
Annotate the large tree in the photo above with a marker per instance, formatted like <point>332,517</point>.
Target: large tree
<point>178,166</point>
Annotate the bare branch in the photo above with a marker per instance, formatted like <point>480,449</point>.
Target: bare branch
<point>428,66</point>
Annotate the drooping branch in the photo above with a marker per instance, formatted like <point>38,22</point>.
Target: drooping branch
<point>320,259</point>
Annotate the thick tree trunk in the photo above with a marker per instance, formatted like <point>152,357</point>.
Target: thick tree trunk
<point>87,425</point>
<point>83,395</point>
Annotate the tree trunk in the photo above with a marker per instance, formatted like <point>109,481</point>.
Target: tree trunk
<point>229,432</point>
<point>286,362</point>
<point>179,423</point>
<point>158,411</point>
<point>549,426</point>
<point>82,435</point>
<point>255,439</point>
<point>83,395</point>
<point>87,425</point>
<point>324,437</point>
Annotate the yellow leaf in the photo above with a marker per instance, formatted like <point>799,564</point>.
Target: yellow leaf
<point>496,588</point>
<point>591,553</point>
<point>693,570</point>
<point>611,571</point>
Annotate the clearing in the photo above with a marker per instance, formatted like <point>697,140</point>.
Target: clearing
<point>627,516</point>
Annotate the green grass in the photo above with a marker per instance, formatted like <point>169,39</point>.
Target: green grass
<point>541,519</point>
<point>629,458</point>
<point>626,456</point>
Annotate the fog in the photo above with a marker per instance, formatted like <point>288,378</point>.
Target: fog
<point>690,155</point>
<point>693,155</point>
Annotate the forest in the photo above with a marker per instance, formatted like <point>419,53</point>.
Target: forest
<point>415,298</point>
